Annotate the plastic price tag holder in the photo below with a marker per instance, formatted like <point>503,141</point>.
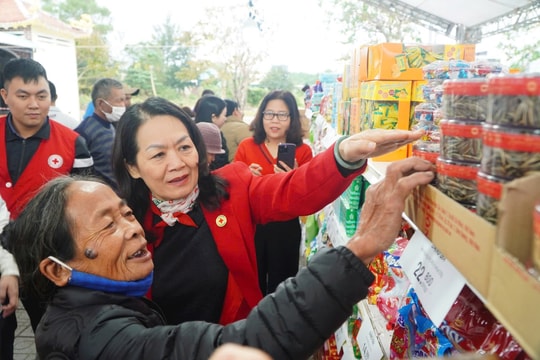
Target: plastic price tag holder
<point>367,341</point>
<point>341,337</point>
<point>343,344</point>
<point>329,135</point>
<point>435,280</point>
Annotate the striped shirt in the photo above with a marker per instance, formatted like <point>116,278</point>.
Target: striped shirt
<point>99,135</point>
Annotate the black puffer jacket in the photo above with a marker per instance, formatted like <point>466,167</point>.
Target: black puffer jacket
<point>290,324</point>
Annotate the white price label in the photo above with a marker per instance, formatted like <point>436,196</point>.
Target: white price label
<point>367,341</point>
<point>433,277</point>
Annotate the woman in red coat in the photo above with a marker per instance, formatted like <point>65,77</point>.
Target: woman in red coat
<point>277,243</point>
<point>201,225</point>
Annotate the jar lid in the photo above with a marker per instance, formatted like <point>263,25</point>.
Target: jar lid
<point>520,84</point>
<point>466,129</point>
<point>511,138</point>
<point>473,87</point>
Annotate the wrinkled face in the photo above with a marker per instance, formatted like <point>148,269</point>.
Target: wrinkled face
<point>275,128</point>
<point>103,223</point>
<point>29,104</point>
<point>167,160</point>
<point>219,120</point>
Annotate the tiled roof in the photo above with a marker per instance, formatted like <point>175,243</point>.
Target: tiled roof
<point>15,14</point>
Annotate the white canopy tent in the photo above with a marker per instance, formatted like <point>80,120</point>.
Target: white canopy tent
<point>466,20</point>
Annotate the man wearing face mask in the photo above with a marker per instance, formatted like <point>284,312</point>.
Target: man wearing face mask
<point>98,129</point>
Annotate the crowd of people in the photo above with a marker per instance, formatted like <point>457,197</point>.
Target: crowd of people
<point>172,231</point>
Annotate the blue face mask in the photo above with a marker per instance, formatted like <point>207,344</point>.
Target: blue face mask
<point>90,281</point>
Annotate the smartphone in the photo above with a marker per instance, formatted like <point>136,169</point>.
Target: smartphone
<point>286,153</point>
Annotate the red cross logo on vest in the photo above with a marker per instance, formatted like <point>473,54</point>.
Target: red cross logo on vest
<point>55,161</point>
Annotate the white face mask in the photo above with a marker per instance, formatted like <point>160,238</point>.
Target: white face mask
<point>116,113</point>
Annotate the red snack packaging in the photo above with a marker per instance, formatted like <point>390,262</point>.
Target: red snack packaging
<point>471,327</point>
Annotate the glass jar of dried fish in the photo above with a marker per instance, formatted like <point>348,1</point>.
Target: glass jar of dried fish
<point>458,180</point>
<point>510,152</point>
<point>465,99</point>
<point>461,140</point>
<point>489,193</point>
<point>514,100</point>
<point>426,151</point>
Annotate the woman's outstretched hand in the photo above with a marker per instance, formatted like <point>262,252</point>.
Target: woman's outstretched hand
<point>375,142</point>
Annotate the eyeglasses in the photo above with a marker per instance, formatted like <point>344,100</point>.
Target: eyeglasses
<point>269,115</point>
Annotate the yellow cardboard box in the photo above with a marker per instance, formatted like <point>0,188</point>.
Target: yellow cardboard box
<point>354,124</point>
<point>386,104</point>
<point>397,61</point>
<point>417,92</point>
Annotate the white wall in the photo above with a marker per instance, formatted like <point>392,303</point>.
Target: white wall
<point>58,56</point>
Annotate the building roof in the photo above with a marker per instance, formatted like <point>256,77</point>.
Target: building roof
<point>19,41</point>
<point>17,14</point>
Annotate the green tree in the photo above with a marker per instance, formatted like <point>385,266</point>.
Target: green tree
<point>358,18</point>
<point>521,54</point>
<point>94,60</point>
<point>177,48</point>
<point>159,66</point>
<point>231,50</point>
<point>69,10</point>
<point>277,78</point>
<point>255,96</point>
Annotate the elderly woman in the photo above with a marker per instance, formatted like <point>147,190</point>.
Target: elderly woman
<point>200,224</point>
<point>88,256</point>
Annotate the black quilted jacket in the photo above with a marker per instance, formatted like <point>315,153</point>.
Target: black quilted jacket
<point>290,324</point>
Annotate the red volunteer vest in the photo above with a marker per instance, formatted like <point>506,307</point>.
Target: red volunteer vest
<point>54,157</point>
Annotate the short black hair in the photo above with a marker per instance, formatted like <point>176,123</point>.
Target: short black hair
<point>207,92</point>
<point>27,69</point>
<point>54,96</point>
<point>231,106</point>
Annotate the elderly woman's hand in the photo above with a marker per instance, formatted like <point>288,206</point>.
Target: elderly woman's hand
<point>380,219</point>
<point>9,288</point>
<point>375,142</point>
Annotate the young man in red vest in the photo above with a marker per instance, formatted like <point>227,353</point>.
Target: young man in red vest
<point>33,150</point>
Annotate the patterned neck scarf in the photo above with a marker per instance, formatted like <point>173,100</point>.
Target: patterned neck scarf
<point>170,210</point>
